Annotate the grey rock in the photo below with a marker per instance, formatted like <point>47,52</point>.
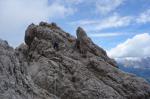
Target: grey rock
<point>29,34</point>
<point>36,70</point>
<point>15,82</point>
<point>86,45</point>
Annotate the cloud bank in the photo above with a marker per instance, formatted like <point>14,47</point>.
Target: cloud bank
<point>138,46</point>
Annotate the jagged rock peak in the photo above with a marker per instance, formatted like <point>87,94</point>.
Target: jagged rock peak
<point>55,65</point>
<point>4,44</point>
<point>80,32</point>
<point>30,34</point>
<point>82,43</point>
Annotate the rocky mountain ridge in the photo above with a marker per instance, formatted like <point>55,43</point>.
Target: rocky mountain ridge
<point>55,65</point>
<point>136,65</point>
<point>141,63</point>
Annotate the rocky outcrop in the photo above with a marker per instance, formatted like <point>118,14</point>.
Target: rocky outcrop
<point>87,47</point>
<point>15,83</point>
<point>78,70</point>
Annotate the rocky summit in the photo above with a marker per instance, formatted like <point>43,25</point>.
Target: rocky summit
<point>52,64</point>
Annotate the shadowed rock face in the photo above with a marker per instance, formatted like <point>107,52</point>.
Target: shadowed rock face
<point>78,70</point>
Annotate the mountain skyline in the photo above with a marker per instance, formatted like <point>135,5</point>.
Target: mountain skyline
<point>116,25</point>
<point>74,49</point>
<point>73,68</point>
<point>137,66</point>
<point>140,63</point>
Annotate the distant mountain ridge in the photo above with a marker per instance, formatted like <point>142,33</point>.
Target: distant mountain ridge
<point>136,62</point>
<point>137,66</point>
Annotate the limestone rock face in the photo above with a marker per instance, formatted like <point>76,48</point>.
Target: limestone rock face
<point>87,46</point>
<point>78,70</point>
<point>15,83</point>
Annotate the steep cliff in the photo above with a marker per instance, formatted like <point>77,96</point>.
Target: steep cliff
<point>55,65</point>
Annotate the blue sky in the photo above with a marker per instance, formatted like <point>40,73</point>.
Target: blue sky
<point>119,26</point>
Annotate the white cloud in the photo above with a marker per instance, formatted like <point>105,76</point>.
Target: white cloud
<point>105,34</point>
<point>15,15</point>
<point>74,2</point>
<point>107,6</point>
<point>85,22</point>
<point>144,17</point>
<point>138,46</point>
<point>114,21</point>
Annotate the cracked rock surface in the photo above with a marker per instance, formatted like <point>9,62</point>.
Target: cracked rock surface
<point>77,69</point>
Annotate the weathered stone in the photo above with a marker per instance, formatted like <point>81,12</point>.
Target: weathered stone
<point>29,34</point>
<point>38,71</point>
<point>15,82</point>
